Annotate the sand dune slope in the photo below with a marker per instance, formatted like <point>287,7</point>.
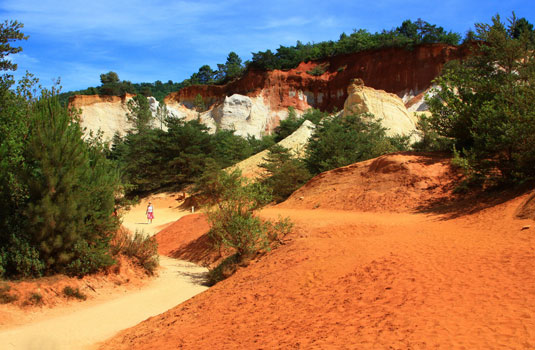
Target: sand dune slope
<point>400,277</point>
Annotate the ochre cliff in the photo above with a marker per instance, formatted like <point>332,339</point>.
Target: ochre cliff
<point>403,72</point>
<point>254,104</point>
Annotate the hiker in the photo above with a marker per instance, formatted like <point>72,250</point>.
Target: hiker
<point>150,213</point>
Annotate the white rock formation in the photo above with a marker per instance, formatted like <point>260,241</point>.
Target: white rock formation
<point>296,143</point>
<point>386,107</point>
<point>247,116</point>
<point>104,113</point>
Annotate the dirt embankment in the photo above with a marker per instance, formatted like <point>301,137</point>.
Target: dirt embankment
<point>401,268</point>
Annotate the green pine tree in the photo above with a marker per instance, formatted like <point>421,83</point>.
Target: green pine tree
<point>71,189</point>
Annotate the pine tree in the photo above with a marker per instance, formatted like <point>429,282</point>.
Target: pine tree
<point>71,188</point>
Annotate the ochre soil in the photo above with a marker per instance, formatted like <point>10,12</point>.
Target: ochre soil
<point>382,256</point>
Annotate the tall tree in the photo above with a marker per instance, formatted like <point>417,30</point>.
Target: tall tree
<point>10,31</point>
<point>71,190</point>
<point>484,103</point>
<point>139,113</point>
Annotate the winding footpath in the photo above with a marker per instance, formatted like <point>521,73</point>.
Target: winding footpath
<point>85,328</point>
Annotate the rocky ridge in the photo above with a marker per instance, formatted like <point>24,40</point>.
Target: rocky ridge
<point>254,104</point>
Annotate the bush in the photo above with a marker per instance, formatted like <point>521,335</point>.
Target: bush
<point>89,259</point>
<point>20,259</point>
<point>340,141</point>
<point>139,246</point>
<point>484,103</point>
<point>71,292</point>
<point>318,70</point>
<point>5,297</point>
<point>224,270</point>
<point>284,173</point>
<point>34,299</point>
<point>233,222</point>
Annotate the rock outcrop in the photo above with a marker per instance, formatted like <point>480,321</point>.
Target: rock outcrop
<point>104,113</point>
<point>296,143</point>
<point>108,114</point>
<point>403,72</point>
<point>255,104</point>
<point>388,108</point>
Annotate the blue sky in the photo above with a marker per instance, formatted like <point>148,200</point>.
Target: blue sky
<point>145,41</point>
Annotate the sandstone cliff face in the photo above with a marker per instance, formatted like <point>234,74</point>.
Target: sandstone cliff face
<point>255,104</point>
<point>104,113</point>
<point>405,73</point>
<point>388,108</point>
<point>107,114</point>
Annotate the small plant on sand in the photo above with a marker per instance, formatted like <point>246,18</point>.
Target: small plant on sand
<point>34,299</point>
<point>139,246</point>
<point>234,223</point>
<point>225,269</point>
<point>5,296</point>
<point>71,292</point>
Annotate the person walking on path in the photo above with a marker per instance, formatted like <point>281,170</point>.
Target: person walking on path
<point>150,213</point>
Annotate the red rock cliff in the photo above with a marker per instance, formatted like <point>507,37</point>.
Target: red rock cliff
<point>395,70</point>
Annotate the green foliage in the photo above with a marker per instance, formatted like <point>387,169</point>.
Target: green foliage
<point>340,141</point>
<point>177,156</point>
<point>5,296</point>
<point>258,146</point>
<point>9,32</point>
<point>224,270</point>
<point>19,258</point>
<point>318,70</point>
<point>407,35</point>
<point>56,190</point>
<point>484,103</point>
<point>88,259</point>
<point>139,113</point>
<point>199,103</point>
<point>71,187</point>
<point>112,85</point>
<point>232,221</point>
<point>430,140</point>
<point>71,292</point>
<point>292,123</point>
<point>284,173</point>
<point>233,68</point>
<point>139,246</point>
<point>34,299</point>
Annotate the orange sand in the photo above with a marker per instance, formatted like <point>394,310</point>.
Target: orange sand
<point>398,268</point>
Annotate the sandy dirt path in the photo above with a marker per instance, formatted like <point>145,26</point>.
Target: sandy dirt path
<point>84,327</point>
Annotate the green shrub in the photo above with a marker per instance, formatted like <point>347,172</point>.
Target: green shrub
<point>284,173</point>
<point>224,270</point>
<point>232,219</point>
<point>34,299</point>
<point>484,103</point>
<point>277,230</point>
<point>340,141</point>
<point>319,69</point>
<point>89,259</point>
<point>5,297</point>
<point>71,292</point>
<point>139,246</point>
<point>20,259</point>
